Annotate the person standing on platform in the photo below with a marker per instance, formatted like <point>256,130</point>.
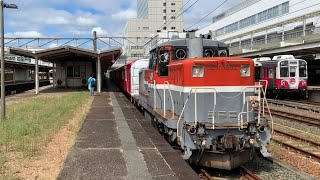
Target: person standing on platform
<point>91,84</point>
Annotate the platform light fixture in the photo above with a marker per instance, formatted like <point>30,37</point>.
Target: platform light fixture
<point>3,90</point>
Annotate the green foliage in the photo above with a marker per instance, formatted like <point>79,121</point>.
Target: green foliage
<point>31,124</point>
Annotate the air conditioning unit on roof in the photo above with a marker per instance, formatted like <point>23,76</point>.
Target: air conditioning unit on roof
<point>283,57</point>
<point>262,59</point>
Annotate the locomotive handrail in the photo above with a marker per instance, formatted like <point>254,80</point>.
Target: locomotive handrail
<point>166,82</point>
<point>265,101</point>
<point>154,95</point>
<point>215,94</point>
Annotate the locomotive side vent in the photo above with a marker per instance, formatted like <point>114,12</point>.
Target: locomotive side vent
<point>223,114</point>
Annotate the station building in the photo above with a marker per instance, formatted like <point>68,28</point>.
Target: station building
<point>265,28</point>
<point>72,66</point>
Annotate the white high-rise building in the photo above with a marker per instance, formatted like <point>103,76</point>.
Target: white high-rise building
<point>152,16</point>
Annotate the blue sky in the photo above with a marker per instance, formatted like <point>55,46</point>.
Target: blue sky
<point>78,18</point>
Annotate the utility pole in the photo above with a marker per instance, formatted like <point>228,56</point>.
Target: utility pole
<point>3,86</point>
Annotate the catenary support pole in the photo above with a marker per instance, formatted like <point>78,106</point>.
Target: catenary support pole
<point>54,74</point>
<point>36,74</point>
<point>99,75</point>
<point>3,90</point>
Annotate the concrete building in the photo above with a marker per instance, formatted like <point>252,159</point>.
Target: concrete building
<point>152,16</point>
<point>256,25</point>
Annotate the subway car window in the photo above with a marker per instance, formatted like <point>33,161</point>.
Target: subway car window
<point>284,72</point>
<point>292,71</point>
<point>302,71</point>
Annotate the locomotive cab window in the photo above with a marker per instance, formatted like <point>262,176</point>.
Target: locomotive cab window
<point>153,60</point>
<point>257,73</point>
<point>163,60</point>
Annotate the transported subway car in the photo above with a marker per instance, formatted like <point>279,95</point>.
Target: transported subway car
<point>203,101</point>
<point>284,75</point>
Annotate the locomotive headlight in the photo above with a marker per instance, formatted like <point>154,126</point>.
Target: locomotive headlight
<point>244,70</point>
<point>197,71</point>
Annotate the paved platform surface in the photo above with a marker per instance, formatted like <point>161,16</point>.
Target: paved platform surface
<point>117,142</point>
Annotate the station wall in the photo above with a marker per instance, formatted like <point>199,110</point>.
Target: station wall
<point>74,73</point>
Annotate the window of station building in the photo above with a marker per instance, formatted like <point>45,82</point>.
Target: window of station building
<point>173,17</point>
<point>231,27</point>
<point>173,4</point>
<point>70,71</point>
<point>248,21</point>
<point>256,18</point>
<point>173,27</point>
<point>73,71</point>
<point>284,7</point>
<point>164,28</point>
<point>172,10</point>
<point>164,4</point>
<point>164,17</point>
<point>164,11</point>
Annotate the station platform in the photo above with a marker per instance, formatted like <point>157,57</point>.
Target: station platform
<point>117,142</point>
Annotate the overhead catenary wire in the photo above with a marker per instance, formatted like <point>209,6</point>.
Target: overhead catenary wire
<point>207,14</point>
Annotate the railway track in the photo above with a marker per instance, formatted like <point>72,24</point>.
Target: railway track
<point>305,105</point>
<point>298,149</point>
<point>247,174</point>
<point>314,143</point>
<point>299,118</point>
<point>204,175</point>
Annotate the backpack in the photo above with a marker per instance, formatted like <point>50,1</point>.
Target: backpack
<point>93,82</point>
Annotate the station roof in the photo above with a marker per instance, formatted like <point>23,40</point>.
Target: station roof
<point>68,53</point>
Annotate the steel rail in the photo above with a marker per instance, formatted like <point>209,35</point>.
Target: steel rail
<point>204,175</point>
<point>314,156</point>
<point>299,118</point>
<point>248,174</point>
<point>298,137</point>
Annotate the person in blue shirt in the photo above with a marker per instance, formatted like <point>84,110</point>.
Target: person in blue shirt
<point>91,84</point>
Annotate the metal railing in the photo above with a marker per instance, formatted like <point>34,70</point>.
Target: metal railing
<point>240,115</point>
<point>154,95</point>
<point>172,103</point>
<point>292,35</point>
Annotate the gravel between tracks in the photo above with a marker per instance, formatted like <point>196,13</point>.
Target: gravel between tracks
<point>297,125</point>
<point>296,111</point>
<point>268,170</point>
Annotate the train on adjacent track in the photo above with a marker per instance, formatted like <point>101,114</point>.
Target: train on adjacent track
<point>284,75</point>
<point>200,100</point>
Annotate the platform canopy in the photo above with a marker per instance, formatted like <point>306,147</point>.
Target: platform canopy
<point>107,57</point>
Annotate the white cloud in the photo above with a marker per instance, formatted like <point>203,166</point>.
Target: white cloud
<point>125,14</point>
<point>100,31</point>
<point>26,34</point>
<point>53,45</point>
<point>84,21</point>
<point>57,21</point>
